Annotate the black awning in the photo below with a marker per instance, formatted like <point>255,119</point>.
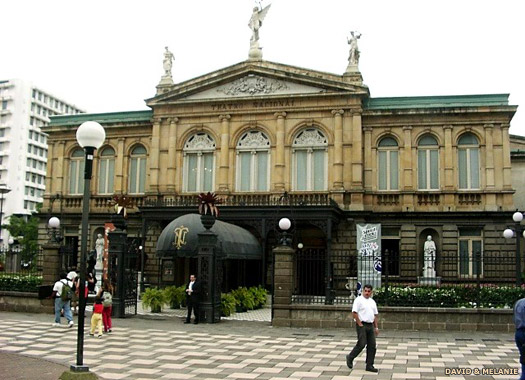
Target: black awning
<point>236,242</point>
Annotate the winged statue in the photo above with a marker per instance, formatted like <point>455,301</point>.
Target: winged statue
<point>256,21</point>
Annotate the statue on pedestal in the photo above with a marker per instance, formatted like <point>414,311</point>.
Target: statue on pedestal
<point>353,58</point>
<point>255,24</point>
<point>99,247</point>
<point>429,252</point>
<point>167,63</point>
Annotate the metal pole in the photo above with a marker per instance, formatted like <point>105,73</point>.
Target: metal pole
<point>518,232</point>
<point>88,169</point>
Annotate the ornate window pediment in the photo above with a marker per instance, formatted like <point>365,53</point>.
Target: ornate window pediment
<point>199,141</point>
<point>309,138</point>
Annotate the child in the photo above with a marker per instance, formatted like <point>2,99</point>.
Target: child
<point>106,294</point>
<point>96,318</point>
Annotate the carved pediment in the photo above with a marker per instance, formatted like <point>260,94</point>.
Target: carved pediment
<point>256,79</point>
<point>255,85</point>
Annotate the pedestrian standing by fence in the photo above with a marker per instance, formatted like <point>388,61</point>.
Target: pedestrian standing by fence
<point>364,311</point>
<point>62,294</point>
<point>519,321</point>
<point>193,290</point>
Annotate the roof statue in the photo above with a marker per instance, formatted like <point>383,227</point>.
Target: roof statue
<point>255,24</point>
<point>167,64</point>
<point>353,57</point>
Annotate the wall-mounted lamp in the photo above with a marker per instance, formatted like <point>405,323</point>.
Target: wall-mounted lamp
<point>53,230</point>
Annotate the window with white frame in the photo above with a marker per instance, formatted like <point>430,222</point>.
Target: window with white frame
<point>470,260</point>
<point>468,162</point>
<point>388,164</point>
<point>199,163</point>
<point>137,170</point>
<point>76,172</point>
<point>106,171</point>
<point>309,154</point>
<point>428,163</point>
<point>253,152</point>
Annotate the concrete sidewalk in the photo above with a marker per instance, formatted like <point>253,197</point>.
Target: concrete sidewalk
<point>141,348</point>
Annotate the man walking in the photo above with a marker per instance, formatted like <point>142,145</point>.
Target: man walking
<point>193,290</point>
<point>62,301</point>
<point>519,321</point>
<point>364,311</point>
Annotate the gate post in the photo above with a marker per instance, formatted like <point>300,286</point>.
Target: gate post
<point>209,276</point>
<point>117,250</point>
<point>283,285</point>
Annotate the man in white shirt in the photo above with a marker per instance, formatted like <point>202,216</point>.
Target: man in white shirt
<point>364,311</point>
<point>60,304</point>
<point>193,290</point>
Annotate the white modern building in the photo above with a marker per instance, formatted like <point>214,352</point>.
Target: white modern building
<point>24,109</point>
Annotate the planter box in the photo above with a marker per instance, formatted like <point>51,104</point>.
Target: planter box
<point>25,302</point>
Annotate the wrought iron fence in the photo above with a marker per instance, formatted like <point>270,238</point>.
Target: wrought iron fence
<point>455,279</point>
<point>16,260</point>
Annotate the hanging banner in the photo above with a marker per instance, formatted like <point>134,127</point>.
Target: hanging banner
<point>368,255</point>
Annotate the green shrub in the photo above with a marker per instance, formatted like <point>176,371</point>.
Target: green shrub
<point>227,304</point>
<point>154,298</point>
<point>244,299</point>
<point>174,296</point>
<point>488,296</point>
<point>259,295</point>
<point>20,282</point>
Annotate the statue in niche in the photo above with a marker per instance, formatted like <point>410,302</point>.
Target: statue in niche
<point>99,247</point>
<point>353,58</point>
<point>429,252</point>
<point>256,22</point>
<point>167,63</point>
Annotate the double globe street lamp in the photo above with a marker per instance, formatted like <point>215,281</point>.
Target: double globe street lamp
<point>509,233</point>
<point>90,136</point>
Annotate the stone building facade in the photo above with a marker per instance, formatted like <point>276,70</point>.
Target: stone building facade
<point>275,140</point>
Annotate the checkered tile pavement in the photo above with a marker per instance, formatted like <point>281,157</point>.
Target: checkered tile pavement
<point>147,349</point>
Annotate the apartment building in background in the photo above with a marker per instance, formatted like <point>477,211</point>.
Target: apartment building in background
<point>24,110</point>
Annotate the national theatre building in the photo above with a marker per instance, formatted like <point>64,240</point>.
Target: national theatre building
<point>274,140</point>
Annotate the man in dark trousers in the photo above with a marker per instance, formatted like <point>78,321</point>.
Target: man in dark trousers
<point>193,290</point>
<point>519,321</point>
<point>364,311</point>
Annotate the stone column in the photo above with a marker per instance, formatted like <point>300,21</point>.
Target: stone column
<point>224,164</point>
<point>154,157</point>
<point>282,286</point>
<point>507,182</point>
<point>278,177</point>
<point>338,150</point>
<point>52,172</point>
<point>449,159</point>
<point>406,159</point>
<point>60,169</point>
<point>357,145</point>
<point>172,155</point>
<point>120,183</point>
<point>369,181</point>
<point>52,263</point>
<point>489,156</point>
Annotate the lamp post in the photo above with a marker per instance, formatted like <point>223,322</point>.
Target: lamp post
<point>90,136</point>
<point>508,234</point>
<point>54,233</point>
<point>3,190</point>
<point>284,225</point>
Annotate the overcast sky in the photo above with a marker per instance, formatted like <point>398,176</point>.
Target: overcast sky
<point>106,56</point>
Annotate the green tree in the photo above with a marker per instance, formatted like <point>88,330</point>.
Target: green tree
<point>26,232</point>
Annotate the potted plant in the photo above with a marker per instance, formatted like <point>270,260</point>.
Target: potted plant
<point>174,295</point>
<point>244,299</point>
<point>208,209</point>
<point>154,298</point>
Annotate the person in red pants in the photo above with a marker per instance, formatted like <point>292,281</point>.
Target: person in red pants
<point>106,295</point>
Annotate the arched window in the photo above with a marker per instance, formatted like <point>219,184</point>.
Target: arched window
<point>428,163</point>
<point>199,163</point>
<point>310,150</point>
<point>468,161</point>
<point>76,172</point>
<point>253,151</point>
<point>137,170</point>
<point>106,171</point>
<point>388,171</point>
